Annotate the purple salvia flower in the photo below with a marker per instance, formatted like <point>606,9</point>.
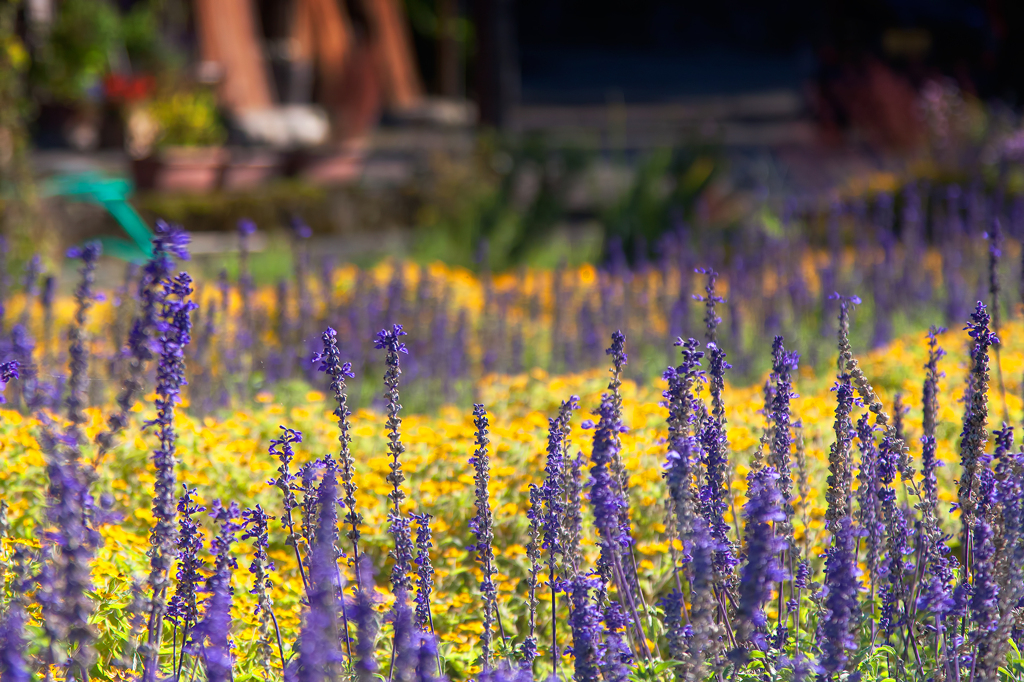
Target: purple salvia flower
<point>553,496</point>
<point>402,553</point>
<point>1006,469</point>
<point>683,446</point>
<point>616,658</point>
<point>365,618</point>
<point>895,567</point>
<point>714,494</point>
<point>183,608</point>
<point>572,519</point>
<point>78,354</point>
<point>282,448</point>
<point>389,341</point>
<point>869,512</point>
<point>65,588</point>
<point>930,406</point>
<point>897,570</point>
<point>617,351</point>
<point>679,396</point>
<point>330,362</point>
<point>481,527</point>
<point>310,503</point>
<point>14,666</point>
<point>704,644</point>
<point>169,242</point>
<point>256,527</point>
<point>534,515</point>
<point>176,328</point>
<point>605,496</point>
<point>426,659</point>
<point>763,521</point>
<point>836,630</point>
<point>318,652</point>
<point>607,503</point>
<point>8,373</point>
<point>710,299</point>
<point>405,654</point>
<point>211,638</point>
<point>424,572</point>
<point>672,606</point>
<point>984,600</point>
<point>840,477</point>
<point>585,624</point>
<point>974,432</point>
<point>784,363</point>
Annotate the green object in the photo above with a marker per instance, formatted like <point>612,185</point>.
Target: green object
<point>112,194</point>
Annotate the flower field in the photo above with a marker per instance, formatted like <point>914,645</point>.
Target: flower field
<point>223,491</point>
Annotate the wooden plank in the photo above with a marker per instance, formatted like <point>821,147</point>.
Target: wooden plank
<point>229,37</point>
<point>393,46</point>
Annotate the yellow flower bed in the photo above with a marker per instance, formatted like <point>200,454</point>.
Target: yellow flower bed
<point>227,458</point>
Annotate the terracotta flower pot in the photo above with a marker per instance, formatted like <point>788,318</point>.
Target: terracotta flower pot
<point>181,169</point>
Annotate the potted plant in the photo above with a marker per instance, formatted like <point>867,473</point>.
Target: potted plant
<point>176,139</point>
<point>67,70</point>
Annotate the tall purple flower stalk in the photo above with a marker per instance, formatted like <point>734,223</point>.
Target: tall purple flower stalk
<point>605,496</point>
<point>319,657</point>
<point>282,448</point>
<point>169,242</point>
<point>930,408</point>
<point>704,643</point>
<point>869,512</point>
<point>784,363</point>
<point>481,527</point>
<point>974,432</point>
<point>837,628</point>
<point>552,494</point>
<point>617,351</point>
<point>183,608</point>
<point>330,362</point>
<point>66,583</point>
<point>896,568</point>
<point>176,334</point>
<point>364,616</point>
<point>935,595</point>
<point>211,637</point>
<point>14,666</point>
<point>714,494</point>
<point>585,625</point>
<point>763,521</point>
<point>78,353</point>
<point>534,515</point>
<point>401,532</point>
<point>9,371</point>
<point>424,572</point>
<point>683,445</point>
<point>404,653</point>
<point>617,657</point>
<point>607,504</point>
<point>256,527</point>
<point>398,524</point>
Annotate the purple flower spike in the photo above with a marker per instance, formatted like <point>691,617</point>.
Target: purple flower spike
<point>246,228</point>
<point>481,527</point>
<point>763,515</point>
